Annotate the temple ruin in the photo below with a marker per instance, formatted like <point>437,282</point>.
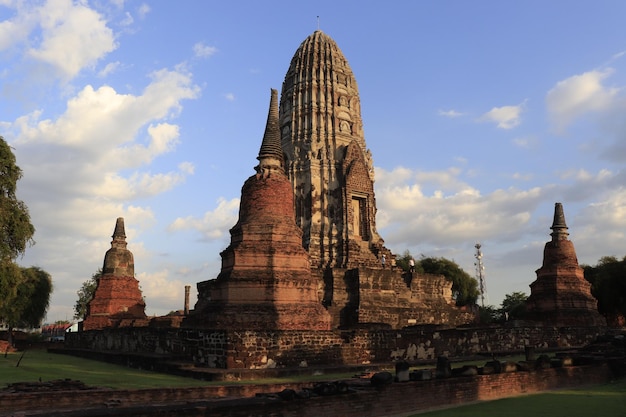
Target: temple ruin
<point>561,296</point>
<point>316,262</point>
<point>117,300</point>
<point>302,282</point>
<point>265,281</point>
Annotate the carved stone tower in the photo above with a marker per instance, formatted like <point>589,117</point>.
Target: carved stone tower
<point>327,160</point>
<point>561,296</point>
<point>117,300</point>
<point>265,282</point>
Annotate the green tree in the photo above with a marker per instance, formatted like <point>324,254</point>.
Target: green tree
<point>403,260</point>
<point>489,314</point>
<point>514,305</point>
<point>608,285</point>
<point>11,280</point>
<point>19,288</point>
<point>85,295</point>
<point>34,296</point>
<point>464,287</point>
<point>27,296</point>
<point>16,231</point>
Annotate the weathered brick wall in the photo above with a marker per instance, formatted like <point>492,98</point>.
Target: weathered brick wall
<point>268,349</point>
<point>365,401</point>
<point>389,297</point>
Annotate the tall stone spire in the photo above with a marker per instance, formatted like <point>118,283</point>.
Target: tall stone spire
<point>271,151</point>
<point>119,234</point>
<point>559,228</point>
<point>329,166</point>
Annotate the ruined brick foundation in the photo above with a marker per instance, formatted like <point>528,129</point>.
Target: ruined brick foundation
<point>283,349</point>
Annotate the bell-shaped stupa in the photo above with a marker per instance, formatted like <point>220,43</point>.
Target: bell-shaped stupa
<point>561,296</point>
<point>265,282</point>
<point>117,300</point>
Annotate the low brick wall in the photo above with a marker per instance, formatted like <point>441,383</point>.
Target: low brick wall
<point>364,401</point>
<point>269,349</point>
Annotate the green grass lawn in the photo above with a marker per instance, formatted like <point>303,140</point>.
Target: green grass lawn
<point>608,400</point>
<point>38,364</point>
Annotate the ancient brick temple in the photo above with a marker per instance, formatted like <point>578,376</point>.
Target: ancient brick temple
<point>265,280</point>
<point>305,253</point>
<point>561,296</point>
<point>117,300</point>
<point>332,176</point>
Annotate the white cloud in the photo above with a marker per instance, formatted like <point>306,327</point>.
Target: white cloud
<point>15,30</point>
<point>214,224</point>
<point>128,20</point>
<point>601,227</point>
<point>505,117</point>
<point>187,167</point>
<point>109,68</point>
<point>143,10</point>
<point>73,37</point>
<point>163,292</point>
<point>525,142</point>
<point>450,113</point>
<point>92,164</point>
<point>578,95</point>
<point>454,212</point>
<point>201,50</point>
<point>229,96</point>
<point>522,177</point>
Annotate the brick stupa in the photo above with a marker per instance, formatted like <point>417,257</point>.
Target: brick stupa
<point>117,300</point>
<point>561,296</point>
<point>265,281</point>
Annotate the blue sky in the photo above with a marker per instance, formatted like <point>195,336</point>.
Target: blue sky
<point>479,115</point>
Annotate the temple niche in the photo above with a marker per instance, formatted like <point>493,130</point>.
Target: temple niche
<point>117,300</point>
<point>561,296</point>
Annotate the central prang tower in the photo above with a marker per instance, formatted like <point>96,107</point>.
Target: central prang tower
<point>327,161</point>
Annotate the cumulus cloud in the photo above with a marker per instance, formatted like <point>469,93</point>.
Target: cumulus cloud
<point>201,50</point>
<point>505,117</point>
<point>73,37</point>
<point>452,212</point>
<point>94,163</point>
<point>162,290</point>
<point>214,224</point>
<point>16,29</point>
<point>578,95</point>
